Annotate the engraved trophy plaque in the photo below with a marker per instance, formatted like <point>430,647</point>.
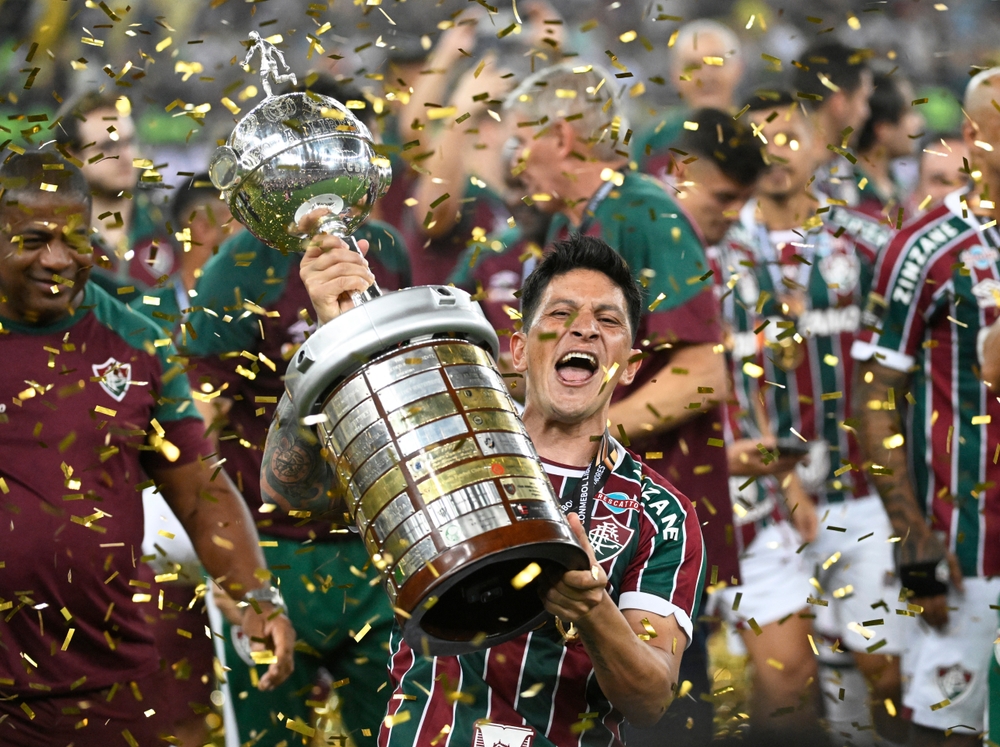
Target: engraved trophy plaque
<point>440,478</point>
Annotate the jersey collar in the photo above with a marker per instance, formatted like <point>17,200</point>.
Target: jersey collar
<point>953,201</point>
<point>62,324</point>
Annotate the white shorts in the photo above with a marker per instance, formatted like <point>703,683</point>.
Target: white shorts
<point>775,580</point>
<point>946,673</point>
<point>859,586</point>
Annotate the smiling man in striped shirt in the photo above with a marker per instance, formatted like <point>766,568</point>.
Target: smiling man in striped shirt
<point>631,611</point>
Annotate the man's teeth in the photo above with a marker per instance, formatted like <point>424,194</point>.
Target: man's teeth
<point>587,358</point>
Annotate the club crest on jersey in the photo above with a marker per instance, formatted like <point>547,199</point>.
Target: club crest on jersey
<point>979,257</point>
<point>840,271</point>
<point>609,535</point>
<point>114,377</point>
<point>954,681</point>
<point>499,735</point>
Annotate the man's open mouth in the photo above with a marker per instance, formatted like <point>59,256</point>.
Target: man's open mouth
<point>576,367</point>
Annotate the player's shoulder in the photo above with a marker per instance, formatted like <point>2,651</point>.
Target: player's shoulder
<point>649,485</point>
<point>135,329</point>
<point>864,229</point>
<point>937,227</point>
<point>644,204</point>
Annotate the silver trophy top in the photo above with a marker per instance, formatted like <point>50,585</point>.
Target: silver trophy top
<point>270,58</point>
<point>294,153</point>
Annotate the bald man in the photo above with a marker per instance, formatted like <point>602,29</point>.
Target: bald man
<point>935,294</point>
<point>706,66</point>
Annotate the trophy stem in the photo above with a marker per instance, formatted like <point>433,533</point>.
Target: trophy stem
<point>336,227</point>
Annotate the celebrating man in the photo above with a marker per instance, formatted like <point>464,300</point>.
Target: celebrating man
<point>99,403</point>
<point>633,609</point>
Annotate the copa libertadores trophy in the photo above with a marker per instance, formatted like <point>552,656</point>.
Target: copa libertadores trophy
<point>441,480</point>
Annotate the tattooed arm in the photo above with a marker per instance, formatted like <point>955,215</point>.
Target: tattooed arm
<point>294,474</point>
<point>873,382</point>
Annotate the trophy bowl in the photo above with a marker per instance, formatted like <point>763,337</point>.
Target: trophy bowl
<point>295,153</point>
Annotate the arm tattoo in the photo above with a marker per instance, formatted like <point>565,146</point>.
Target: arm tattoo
<point>294,474</point>
<point>893,480</point>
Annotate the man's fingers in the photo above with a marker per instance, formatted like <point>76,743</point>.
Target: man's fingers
<point>282,636</point>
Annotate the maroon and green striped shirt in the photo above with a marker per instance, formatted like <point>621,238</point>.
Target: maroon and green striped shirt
<point>646,537</point>
<point>936,291</point>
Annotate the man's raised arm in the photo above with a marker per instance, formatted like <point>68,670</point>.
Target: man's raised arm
<point>294,475</point>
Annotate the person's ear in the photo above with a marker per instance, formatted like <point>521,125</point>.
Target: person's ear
<point>635,357</point>
<point>518,352</point>
<point>565,137</point>
<point>970,133</point>
<point>678,169</point>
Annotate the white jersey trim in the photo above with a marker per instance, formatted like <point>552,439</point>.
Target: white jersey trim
<point>640,600</point>
<point>864,351</point>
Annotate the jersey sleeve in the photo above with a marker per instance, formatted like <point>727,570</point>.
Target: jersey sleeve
<point>900,299</point>
<point>667,573</point>
<point>666,254</point>
<point>244,271</point>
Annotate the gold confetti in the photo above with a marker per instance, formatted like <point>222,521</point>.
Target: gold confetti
<point>894,441</point>
<point>400,717</point>
<point>362,633</point>
<point>528,574</point>
<point>533,690</point>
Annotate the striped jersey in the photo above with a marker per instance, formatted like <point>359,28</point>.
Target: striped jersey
<point>811,286</point>
<point>756,503</point>
<point>936,291</point>
<point>538,690</point>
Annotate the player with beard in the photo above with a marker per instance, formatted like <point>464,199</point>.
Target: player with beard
<point>580,310</point>
<point>812,265</point>
<point>100,404</point>
<point>919,357</point>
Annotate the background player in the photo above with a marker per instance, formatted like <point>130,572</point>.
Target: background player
<point>124,413</point>
<point>930,307</point>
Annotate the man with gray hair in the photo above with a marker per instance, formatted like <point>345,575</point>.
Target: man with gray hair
<point>931,305</point>
<point>706,65</point>
<point>570,157</point>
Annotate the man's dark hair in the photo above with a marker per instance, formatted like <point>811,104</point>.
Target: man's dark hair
<point>196,189</point>
<point>22,176</point>
<point>581,253</point>
<point>76,111</point>
<point>840,65</point>
<point>886,104</point>
<point>726,142</point>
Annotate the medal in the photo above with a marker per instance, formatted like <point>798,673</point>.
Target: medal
<point>568,635</point>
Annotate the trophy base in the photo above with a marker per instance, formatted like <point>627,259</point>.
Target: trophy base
<point>477,607</point>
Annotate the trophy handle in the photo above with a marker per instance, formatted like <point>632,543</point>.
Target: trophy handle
<point>335,227</point>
